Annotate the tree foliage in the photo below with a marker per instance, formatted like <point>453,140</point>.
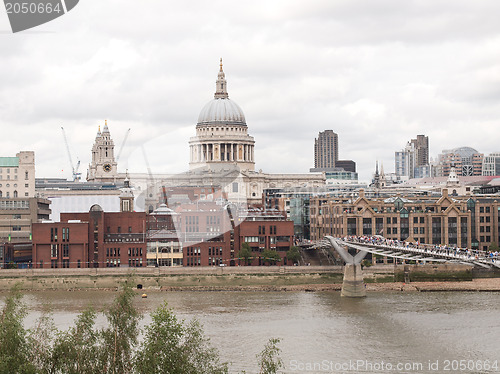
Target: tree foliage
<point>168,345</point>
<point>245,253</point>
<point>14,343</point>
<point>269,359</point>
<point>270,256</point>
<point>171,347</point>
<point>293,255</point>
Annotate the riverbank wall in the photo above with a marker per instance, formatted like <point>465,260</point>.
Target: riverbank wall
<point>226,278</point>
<point>170,278</point>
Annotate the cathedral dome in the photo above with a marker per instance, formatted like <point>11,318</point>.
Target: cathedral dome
<point>221,112</point>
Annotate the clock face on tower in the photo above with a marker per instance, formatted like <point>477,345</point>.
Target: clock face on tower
<point>107,168</point>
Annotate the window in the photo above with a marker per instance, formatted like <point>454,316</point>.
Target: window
<point>130,229</point>
<point>119,229</point>
<point>53,250</point>
<point>26,175</point>
<point>235,186</point>
<point>78,264</point>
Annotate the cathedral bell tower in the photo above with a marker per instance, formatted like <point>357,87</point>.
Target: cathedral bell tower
<point>103,167</point>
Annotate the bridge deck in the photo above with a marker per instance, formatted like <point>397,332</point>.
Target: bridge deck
<point>412,252</point>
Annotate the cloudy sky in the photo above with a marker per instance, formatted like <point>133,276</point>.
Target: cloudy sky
<point>376,72</point>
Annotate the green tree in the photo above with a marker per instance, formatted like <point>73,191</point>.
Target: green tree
<point>170,347</point>
<point>293,255</point>
<point>245,253</point>
<point>269,359</point>
<point>40,340</point>
<point>73,348</point>
<point>270,256</point>
<point>120,337</point>
<point>14,342</point>
<point>494,247</point>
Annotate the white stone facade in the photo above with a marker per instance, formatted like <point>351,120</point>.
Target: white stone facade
<point>17,175</point>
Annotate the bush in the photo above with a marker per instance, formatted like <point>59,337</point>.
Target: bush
<point>169,345</point>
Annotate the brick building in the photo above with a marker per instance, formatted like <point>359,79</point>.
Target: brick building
<point>266,230</point>
<point>214,235</point>
<point>93,239</point>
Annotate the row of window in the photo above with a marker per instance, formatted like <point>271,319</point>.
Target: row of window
<point>272,230</point>
<point>65,234</point>
<point>262,239</point>
<point>112,252</point>
<point>118,229</point>
<point>14,194</point>
<point>193,251</point>
<point>192,261</point>
<point>15,185</point>
<point>54,264</point>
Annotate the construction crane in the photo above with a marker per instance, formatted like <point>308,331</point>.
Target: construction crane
<point>76,175</point>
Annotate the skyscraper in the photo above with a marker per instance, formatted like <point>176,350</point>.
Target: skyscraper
<point>421,150</point>
<point>326,150</point>
<point>413,160</point>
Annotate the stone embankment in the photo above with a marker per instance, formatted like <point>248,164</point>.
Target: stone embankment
<point>388,278</point>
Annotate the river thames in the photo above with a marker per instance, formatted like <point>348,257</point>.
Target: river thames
<point>438,332</point>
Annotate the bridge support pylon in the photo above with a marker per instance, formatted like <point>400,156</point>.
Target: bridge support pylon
<point>353,284</point>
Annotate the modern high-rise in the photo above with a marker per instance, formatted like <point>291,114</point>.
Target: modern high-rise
<point>413,160</point>
<point>421,150</point>
<point>466,160</point>
<point>491,164</point>
<point>326,150</point>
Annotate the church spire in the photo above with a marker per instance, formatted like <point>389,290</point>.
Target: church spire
<point>220,87</point>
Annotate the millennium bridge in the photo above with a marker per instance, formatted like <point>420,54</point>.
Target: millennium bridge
<point>353,250</point>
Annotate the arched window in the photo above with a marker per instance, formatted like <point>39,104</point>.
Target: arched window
<point>15,193</point>
<point>0,193</point>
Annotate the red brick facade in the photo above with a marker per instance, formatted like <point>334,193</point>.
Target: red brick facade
<point>93,239</point>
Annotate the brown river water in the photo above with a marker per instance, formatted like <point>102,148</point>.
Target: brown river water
<point>320,332</point>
